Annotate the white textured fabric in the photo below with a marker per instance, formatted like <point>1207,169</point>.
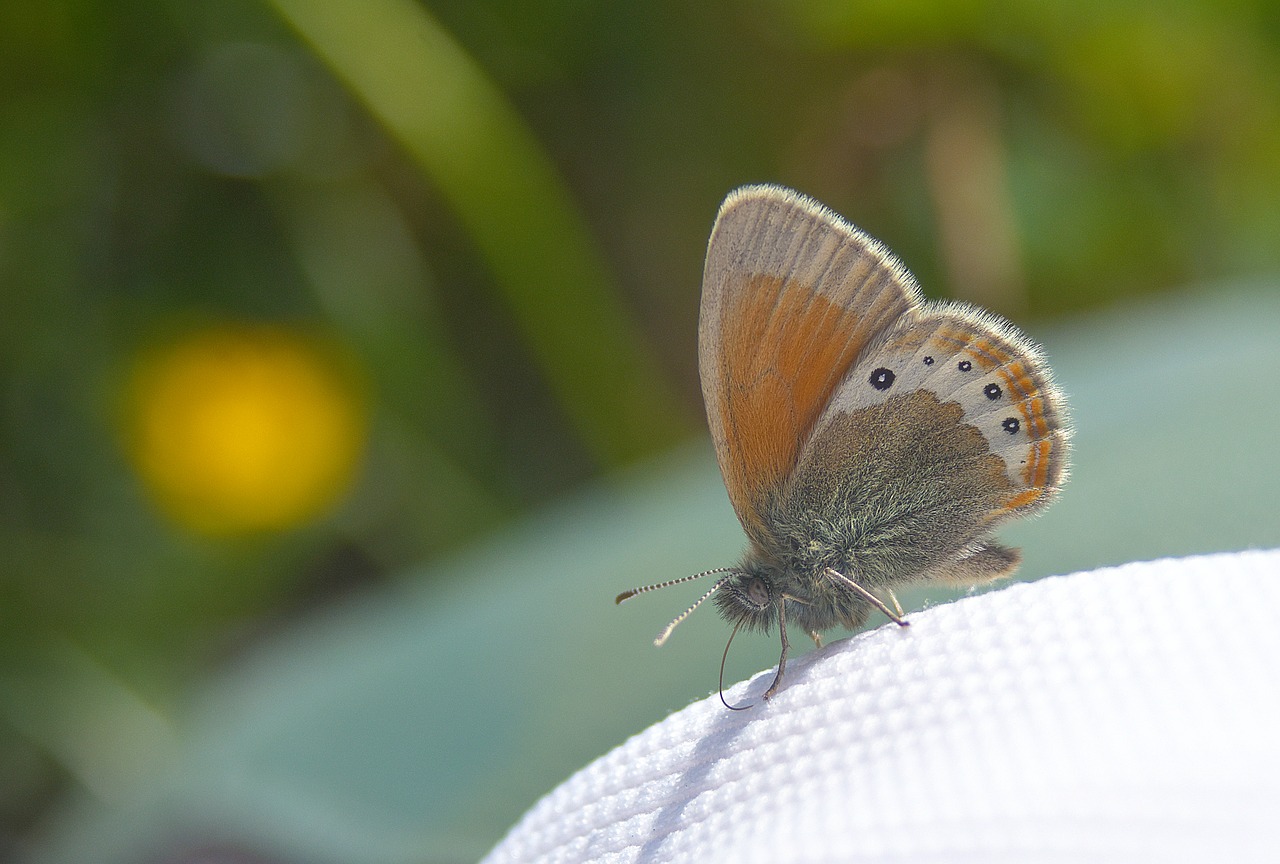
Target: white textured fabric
<point>1126,714</point>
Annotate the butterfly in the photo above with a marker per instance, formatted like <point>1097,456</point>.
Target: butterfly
<point>868,439</point>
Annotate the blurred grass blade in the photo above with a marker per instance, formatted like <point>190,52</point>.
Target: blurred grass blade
<point>432,97</point>
<point>98,728</point>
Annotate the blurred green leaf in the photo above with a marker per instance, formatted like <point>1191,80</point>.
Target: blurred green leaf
<point>444,111</point>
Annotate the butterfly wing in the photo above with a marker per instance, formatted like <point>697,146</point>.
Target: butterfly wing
<point>792,295</point>
<point>996,376</point>
<point>959,428</point>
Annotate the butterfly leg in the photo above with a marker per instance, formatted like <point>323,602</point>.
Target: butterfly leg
<point>893,598</point>
<point>813,634</point>
<point>782,661</point>
<point>868,596</point>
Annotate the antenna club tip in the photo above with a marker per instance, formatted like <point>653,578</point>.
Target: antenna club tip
<point>625,595</point>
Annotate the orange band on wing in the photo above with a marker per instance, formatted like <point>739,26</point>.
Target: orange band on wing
<point>951,337</point>
<point>786,349</point>
<point>1035,474</point>
<point>987,353</point>
<point>1024,498</point>
<point>1018,381</point>
<point>1037,471</point>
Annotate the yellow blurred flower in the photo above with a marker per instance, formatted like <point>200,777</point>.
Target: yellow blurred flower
<point>245,428</point>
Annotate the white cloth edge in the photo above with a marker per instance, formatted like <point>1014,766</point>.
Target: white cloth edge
<point>1127,713</point>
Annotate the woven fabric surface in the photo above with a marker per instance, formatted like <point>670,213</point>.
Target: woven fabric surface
<point>1124,714</point>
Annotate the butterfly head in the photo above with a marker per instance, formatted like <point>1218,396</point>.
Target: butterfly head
<point>749,597</point>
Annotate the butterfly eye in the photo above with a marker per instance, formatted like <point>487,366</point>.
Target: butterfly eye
<point>992,391</point>
<point>882,378</point>
<point>1011,425</point>
<point>758,592</point>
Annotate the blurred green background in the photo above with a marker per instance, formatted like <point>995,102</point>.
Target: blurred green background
<point>304,304</point>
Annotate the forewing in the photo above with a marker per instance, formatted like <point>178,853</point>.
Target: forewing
<point>792,295</point>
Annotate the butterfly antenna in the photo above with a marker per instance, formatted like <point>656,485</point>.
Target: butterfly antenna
<point>666,631</point>
<point>627,595</point>
<point>723,658</point>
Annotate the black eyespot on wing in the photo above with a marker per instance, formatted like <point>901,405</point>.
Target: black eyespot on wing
<point>928,361</point>
<point>882,378</point>
<point>964,365</point>
<point>992,391</point>
<point>1011,425</point>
